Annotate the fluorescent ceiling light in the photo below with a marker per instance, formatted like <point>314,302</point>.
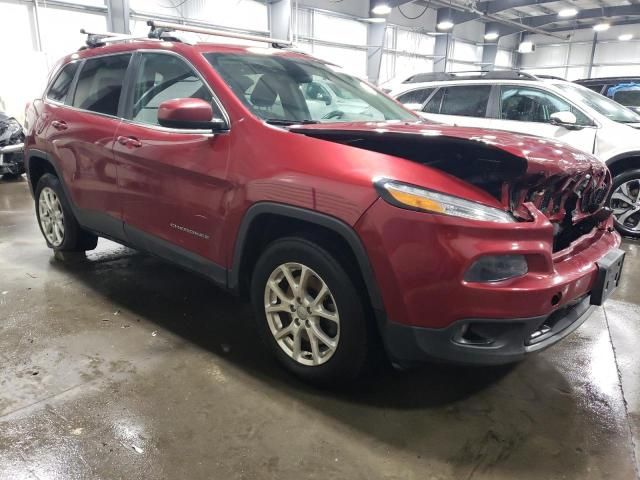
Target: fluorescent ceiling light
<point>381,9</point>
<point>445,25</point>
<point>601,27</point>
<point>375,19</point>
<point>491,36</point>
<point>625,37</point>
<point>525,47</point>
<point>568,12</point>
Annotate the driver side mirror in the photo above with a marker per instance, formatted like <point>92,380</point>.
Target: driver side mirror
<point>564,119</point>
<point>189,113</point>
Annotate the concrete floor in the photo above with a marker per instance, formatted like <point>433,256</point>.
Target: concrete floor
<point>121,366</point>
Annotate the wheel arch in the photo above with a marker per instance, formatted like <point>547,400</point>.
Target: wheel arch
<point>37,163</point>
<point>624,161</point>
<point>253,236</point>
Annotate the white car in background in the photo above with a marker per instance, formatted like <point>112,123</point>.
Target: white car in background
<point>542,106</point>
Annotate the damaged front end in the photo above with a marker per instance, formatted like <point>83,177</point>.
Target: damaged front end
<point>523,173</point>
<point>11,146</point>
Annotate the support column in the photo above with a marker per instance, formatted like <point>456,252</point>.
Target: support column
<point>280,19</point>
<point>593,53</point>
<point>490,50</point>
<point>375,44</point>
<point>441,47</point>
<point>118,16</point>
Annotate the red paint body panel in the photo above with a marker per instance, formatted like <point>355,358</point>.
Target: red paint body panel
<point>420,260</point>
<point>206,183</point>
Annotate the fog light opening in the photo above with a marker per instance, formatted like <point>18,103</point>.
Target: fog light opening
<point>555,300</point>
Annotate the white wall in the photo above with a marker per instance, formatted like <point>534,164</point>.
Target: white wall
<point>24,67</point>
<point>571,59</point>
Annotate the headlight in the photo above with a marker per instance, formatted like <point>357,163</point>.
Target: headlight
<point>494,268</point>
<point>416,198</point>
<point>13,126</point>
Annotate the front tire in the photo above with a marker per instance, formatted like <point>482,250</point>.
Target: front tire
<point>309,313</point>
<point>625,203</point>
<point>57,222</point>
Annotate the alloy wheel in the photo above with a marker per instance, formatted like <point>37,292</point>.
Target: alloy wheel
<point>302,314</point>
<point>625,202</point>
<point>51,216</point>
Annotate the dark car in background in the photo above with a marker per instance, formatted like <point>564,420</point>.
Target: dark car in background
<point>11,147</point>
<point>624,90</point>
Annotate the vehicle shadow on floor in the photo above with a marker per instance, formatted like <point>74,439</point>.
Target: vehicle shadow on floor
<point>198,311</point>
<point>462,416</point>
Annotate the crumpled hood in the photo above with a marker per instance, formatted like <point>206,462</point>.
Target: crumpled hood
<point>565,184</point>
<point>543,156</point>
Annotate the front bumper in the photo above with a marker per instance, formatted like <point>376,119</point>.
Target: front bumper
<point>12,159</point>
<point>510,339</point>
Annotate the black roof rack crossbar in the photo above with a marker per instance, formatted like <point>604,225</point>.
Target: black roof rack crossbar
<point>170,27</point>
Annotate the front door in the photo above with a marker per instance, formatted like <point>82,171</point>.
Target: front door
<point>172,181</point>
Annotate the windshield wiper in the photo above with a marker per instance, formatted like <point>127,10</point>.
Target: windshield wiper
<point>279,121</point>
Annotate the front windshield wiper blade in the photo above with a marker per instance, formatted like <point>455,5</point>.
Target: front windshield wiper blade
<point>279,121</point>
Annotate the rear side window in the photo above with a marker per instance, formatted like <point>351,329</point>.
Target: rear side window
<point>416,96</point>
<point>100,84</point>
<point>466,100</point>
<point>164,77</point>
<point>60,86</point>
<point>434,103</point>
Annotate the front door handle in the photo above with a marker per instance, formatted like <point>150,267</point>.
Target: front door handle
<point>131,142</point>
<point>59,125</point>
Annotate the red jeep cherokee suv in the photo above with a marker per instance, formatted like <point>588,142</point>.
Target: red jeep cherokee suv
<point>344,217</point>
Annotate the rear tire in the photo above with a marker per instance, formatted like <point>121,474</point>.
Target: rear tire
<point>312,318</point>
<point>56,220</point>
<point>625,203</point>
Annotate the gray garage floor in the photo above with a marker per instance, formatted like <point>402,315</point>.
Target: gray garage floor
<point>121,366</point>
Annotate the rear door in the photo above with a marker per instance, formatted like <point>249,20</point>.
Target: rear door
<point>527,110</point>
<point>464,105</point>
<point>172,181</point>
<point>81,133</point>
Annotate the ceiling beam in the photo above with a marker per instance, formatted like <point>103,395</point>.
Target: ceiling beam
<point>582,26</point>
<point>604,13</point>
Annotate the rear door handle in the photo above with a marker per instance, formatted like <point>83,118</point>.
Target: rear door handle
<point>130,142</point>
<point>59,125</point>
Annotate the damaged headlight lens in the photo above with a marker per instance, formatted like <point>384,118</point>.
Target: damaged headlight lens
<point>415,198</point>
<point>9,128</point>
<point>494,268</point>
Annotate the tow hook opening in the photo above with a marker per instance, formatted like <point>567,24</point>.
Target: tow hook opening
<point>481,334</point>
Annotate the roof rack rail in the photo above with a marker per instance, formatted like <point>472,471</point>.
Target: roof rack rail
<point>471,75</point>
<point>159,28</point>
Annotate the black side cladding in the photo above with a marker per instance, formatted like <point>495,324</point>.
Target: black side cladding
<point>473,161</point>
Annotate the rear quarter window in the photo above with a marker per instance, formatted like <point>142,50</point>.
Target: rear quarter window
<point>59,88</point>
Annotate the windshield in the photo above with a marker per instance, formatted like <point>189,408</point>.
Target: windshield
<point>601,104</point>
<point>283,89</point>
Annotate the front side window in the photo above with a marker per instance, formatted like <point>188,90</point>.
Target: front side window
<point>415,97</point>
<point>628,98</point>
<point>292,89</point>
<point>466,100</point>
<point>524,104</point>
<point>100,84</point>
<point>60,87</point>
<point>164,77</point>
